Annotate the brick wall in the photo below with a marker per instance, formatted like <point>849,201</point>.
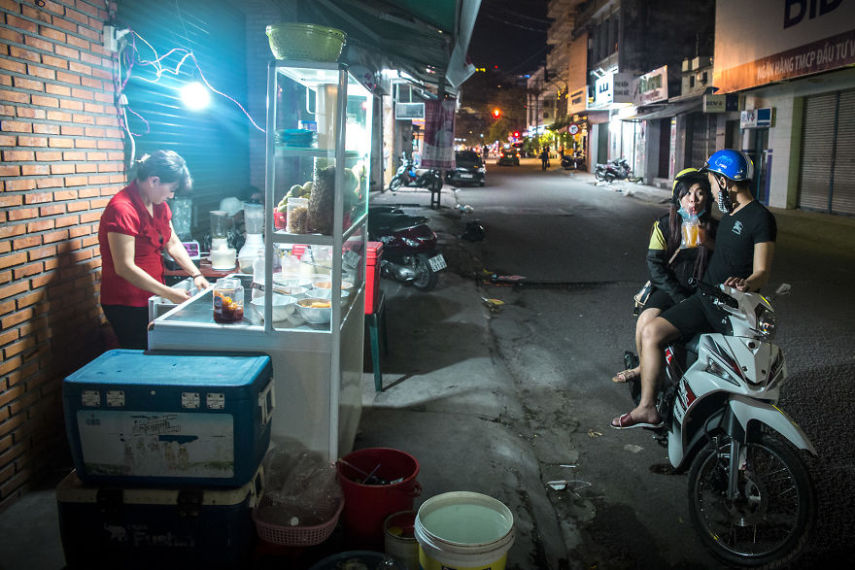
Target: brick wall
<point>62,158</point>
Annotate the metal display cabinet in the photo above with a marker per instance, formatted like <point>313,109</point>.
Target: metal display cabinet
<point>317,368</point>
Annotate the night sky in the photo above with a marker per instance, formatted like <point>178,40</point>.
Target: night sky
<point>510,34</point>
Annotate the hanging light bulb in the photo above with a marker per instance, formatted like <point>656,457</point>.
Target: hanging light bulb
<point>195,96</point>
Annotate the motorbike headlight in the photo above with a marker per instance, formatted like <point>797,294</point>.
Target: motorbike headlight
<point>411,242</point>
<point>766,322</point>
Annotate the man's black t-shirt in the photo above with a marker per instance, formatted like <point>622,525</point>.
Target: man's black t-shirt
<point>734,243</point>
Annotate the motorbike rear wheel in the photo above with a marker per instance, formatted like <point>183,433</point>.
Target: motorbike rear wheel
<point>769,523</point>
<point>426,278</point>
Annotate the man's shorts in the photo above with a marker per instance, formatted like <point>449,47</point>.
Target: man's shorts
<point>696,315</point>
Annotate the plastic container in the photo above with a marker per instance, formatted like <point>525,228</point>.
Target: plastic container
<point>306,42</point>
<point>136,418</point>
<point>297,216</point>
<point>400,539</point>
<point>464,530</point>
<point>131,528</point>
<point>372,276</point>
<point>366,506</point>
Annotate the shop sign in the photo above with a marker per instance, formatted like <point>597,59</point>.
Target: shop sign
<point>653,86</point>
<point>604,90</point>
<point>409,111</point>
<point>624,87</point>
<point>578,100</point>
<point>756,118</point>
<point>720,103</point>
<point>765,41</point>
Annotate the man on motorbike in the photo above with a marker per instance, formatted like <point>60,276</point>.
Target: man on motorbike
<point>744,248</point>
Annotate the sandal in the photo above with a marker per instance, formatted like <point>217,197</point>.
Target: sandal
<point>628,375</point>
<point>626,422</point>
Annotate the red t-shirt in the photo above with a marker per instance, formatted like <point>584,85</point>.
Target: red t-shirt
<point>126,214</point>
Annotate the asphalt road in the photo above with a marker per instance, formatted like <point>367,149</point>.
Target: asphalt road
<point>561,336</point>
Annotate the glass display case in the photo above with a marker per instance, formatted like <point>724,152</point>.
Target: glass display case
<point>303,285</point>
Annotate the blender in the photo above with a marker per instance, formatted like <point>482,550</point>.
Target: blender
<point>253,217</point>
<point>222,256</point>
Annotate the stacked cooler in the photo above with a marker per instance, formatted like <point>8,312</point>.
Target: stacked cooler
<point>168,451</point>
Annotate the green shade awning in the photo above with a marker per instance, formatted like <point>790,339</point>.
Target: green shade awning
<point>427,39</point>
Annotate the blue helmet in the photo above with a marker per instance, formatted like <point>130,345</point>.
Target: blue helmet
<point>730,164</point>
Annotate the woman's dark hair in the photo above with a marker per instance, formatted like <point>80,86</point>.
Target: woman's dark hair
<point>675,221</point>
<point>166,165</point>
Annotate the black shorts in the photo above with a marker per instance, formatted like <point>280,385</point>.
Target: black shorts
<point>130,325</point>
<point>659,300</point>
<point>696,315</point>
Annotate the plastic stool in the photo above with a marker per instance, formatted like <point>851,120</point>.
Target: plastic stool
<point>376,324</point>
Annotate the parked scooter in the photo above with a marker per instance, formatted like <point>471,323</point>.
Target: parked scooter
<point>573,161</point>
<point>408,175</point>
<point>617,169</point>
<point>410,252</point>
<point>751,499</point>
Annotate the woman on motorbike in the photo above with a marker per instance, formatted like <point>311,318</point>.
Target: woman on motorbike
<point>680,247</point>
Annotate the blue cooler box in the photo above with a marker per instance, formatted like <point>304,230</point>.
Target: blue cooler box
<point>169,419</point>
<point>108,527</point>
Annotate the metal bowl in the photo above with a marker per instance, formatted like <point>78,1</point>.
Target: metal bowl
<point>283,306</point>
<point>315,315</point>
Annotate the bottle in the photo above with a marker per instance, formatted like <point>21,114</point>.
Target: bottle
<point>228,301</point>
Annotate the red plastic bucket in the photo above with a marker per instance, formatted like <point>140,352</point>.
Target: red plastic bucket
<point>367,506</point>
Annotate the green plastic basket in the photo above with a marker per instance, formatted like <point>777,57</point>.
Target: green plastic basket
<point>307,42</point>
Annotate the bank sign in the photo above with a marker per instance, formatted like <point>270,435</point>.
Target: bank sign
<point>764,41</point>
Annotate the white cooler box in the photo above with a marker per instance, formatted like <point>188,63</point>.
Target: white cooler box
<point>157,419</point>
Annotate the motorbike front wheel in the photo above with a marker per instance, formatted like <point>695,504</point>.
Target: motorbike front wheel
<point>395,183</point>
<point>426,278</point>
<point>768,523</point>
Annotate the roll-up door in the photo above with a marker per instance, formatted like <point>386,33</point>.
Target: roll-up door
<point>214,141</point>
<point>700,139</point>
<point>843,189</point>
<point>827,170</point>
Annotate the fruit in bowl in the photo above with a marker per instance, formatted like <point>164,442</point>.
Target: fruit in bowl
<point>315,310</point>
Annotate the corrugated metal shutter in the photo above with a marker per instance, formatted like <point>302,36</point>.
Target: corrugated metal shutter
<point>843,191</point>
<point>827,172</point>
<point>700,139</point>
<point>214,141</point>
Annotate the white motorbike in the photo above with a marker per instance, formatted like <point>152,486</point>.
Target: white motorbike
<point>750,495</point>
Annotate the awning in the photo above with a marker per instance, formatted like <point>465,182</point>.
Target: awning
<point>428,40</point>
<point>664,110</point>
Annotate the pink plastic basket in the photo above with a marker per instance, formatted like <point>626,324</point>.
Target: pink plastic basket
<point>296,535</point>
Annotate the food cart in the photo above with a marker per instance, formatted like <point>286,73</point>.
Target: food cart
<point>318,137</point>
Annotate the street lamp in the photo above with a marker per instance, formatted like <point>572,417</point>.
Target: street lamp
<point>497,112</point>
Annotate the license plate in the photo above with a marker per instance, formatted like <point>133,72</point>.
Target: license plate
<point>467,175</point>
<point>437,262</point>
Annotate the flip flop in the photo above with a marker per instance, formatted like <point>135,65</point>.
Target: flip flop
<point>627,375</point>
<point>626,422</point>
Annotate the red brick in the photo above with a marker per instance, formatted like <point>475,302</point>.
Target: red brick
<point>53,34</point>
<point>20,184</point>
<point>84,143</point>
<point>16,126</point>
<point>84,119</point>
<point>52,210</point>
<point>45,129</point>
<point>21,24</point>
<point>72,130</point>
<point>5,338</point>
<point>7,200</point>
<point>14,66</point>
<point>48,156</point>
<point>73,155</point>
<point>13,259</point>
<point>93,36</point>
<point>10,35</point>
<point>38,71</point>
<point>57,142</point>
<point>41,281</point>
<point>37,43</point>
<point>48,183</point>
<point>24,53</point>
<point>84,94</point>
<point>18,155</point>
<point>62,168</point>
<point>10,230</point>
<point>90,217</point>
<point>65,25</point>
<point>40,226</point>
<point>43,101</point>
<point>75,181</point>
<point>79,230</point>
<point>12,290</point>
<point>38,197</point>
<point>52,237</point>
<point>31,113</point>
<point>32,141</point>
<point>22,213</point>
<point>68,77</point>
<point>35,169</point>
<point>41,252</point>
<point>60,90</point>
<point>66,221</point>
<point>71,104</point>
<point>65,195</point>
<point>13,422</point>
<point>28,270</point>
<point>79,68</point>
<point>54,61</point>
<point>78,206</point>
<point>86,167</point>
<point>25,242</point>
<point>16,318</point>
<point>92,83</point>
<point>7,140</point>
<point>30,84</point>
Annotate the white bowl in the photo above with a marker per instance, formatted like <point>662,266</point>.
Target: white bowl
<point>326,283</point>
<point>292,279</point>
<point>314,315</point>
<point>325,293</point>
<point>296,291</point>
<point>283,306</point>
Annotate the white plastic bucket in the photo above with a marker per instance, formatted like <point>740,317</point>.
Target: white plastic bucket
<point>464,531</point>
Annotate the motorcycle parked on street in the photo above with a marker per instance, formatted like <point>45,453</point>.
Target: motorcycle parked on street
<point>408,175</point>
<point>617,169</point>
<point>573,162</point>
<point>751,499</point>
<point>410,252</point>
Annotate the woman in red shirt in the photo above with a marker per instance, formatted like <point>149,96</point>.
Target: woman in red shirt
<point>135,229</point>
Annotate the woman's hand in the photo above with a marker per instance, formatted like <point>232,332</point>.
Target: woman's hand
<point>737,283</point>
<point>177,296</point>
<point>200,282</point>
